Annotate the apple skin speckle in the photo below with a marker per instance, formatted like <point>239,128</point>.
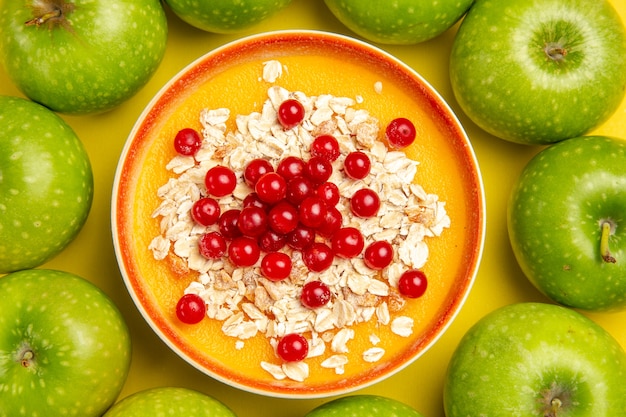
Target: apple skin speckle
<point>74,68</point>
<point>46,184</point>
<point>363,405</point>
<point>506,84</point>
<point>554,217</point>
<point>517,357</point>
<point>399,22</point>
<point>225,16</point>
<point>169,401</point>
<point>73,339</point>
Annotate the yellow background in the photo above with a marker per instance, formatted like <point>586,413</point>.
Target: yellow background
<point>499,281</point>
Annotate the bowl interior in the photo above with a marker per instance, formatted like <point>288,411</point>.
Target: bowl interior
<point>315,63</point>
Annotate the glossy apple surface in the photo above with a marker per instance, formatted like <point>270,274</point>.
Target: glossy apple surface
<point>46,184</point>
<point>81,57</point>
<point>169,401</point>
<point>64,346</point>
<point>364,405</point>
<point>567,222</point>
<point>225,16</point>
<point>401,22</point>
<point>534,359</point>
<point>539,71</point>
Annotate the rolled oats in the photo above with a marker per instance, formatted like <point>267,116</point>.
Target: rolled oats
<point>272,70</point>
<point>373,354</point>
<point>336,362</point>
<point>339,344</point>
<point>297,371</point>
<point>402,326</point>
<point>276,370</point>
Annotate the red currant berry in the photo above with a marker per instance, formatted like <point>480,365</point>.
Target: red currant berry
<point>276,266</point>
<point>378,255</point>
<point>357,165</point>
<point>252,221</point>
<point>325,146</point>
<point>365,203</point>
<point>190,309</point>
<point>244,251</point>
<point>253,200</point>
<point>300,237</point>
<point>292,347</point>
<point>329,193</point>
<point>205,211</point>
<point>317,256</point>
<point>290,167</point>
<point>220,181</point>
<point>255,169</point>
<point>187,142</point>
<point>348,242</point>
<point>400,133</point>
<point>283,218</point>
<point>298,189</point>
<point>315,294</point>
<point>270,241</point>
<point>227,224</point>
<point>412,283</point>
<point>271,188</point>
<point>332,222</point>
<point>312,212</point>
<point>212,245</point>
<point>290,113</point>
<point>318,169</point>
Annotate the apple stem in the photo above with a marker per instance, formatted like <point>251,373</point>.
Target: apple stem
<point>52,12</point>
<point>605,252</point>
<point>556,405</point>
<point>27,358</point>
<point>40,20</point>
<point>555,51</point>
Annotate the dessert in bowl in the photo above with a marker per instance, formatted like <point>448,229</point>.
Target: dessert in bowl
<point>246,320</point>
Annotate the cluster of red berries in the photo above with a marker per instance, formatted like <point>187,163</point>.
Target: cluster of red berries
<point>292,204</point>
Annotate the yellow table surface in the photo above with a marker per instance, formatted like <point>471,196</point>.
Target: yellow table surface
<point>499,281</point>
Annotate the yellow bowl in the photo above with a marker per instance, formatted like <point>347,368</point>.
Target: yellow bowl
<point>315,63</point>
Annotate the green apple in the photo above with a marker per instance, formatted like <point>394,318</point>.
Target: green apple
<point>535,359</point>
<point>169,401</point>
<point>225,16</point>
<point>363,405</point>
<point>567,223</point>
<point>540,71</point>
<point>64,346</point>
<point>46,184</point>
<point>401,22</point>
<point>81,57</point>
